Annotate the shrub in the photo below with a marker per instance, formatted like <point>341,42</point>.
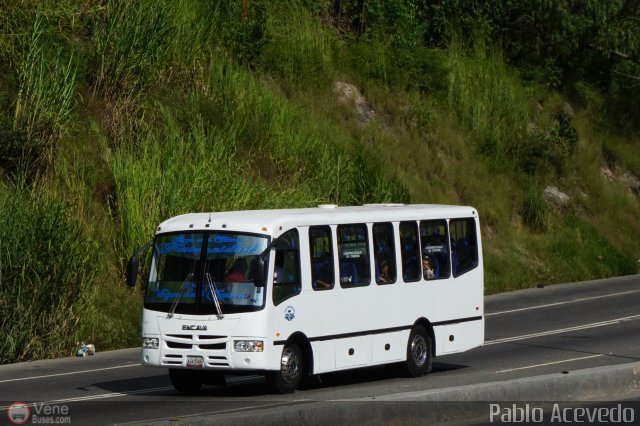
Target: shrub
<point>14,148</point>
<point>535,212</point>
<point>244,30</point>
<point>47,273</point>
<point>46,78</point>
<point>548,149</point>
<point>132,40</point>
<point>487,99</point>
<point>299,49</point>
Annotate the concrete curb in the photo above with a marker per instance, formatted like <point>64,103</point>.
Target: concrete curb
<point>578,385</point>
<point>449,405</point>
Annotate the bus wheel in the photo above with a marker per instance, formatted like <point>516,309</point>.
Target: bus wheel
<point>419,350</point>
<point>287,379</point>
<point>185,381</point>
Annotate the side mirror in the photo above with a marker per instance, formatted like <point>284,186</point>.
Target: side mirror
<point>132,271</point>
<point>132,265</point>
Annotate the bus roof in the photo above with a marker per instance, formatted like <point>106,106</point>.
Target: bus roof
<point>274,222</point>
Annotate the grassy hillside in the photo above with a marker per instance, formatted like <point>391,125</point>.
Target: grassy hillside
<point>117,115</point>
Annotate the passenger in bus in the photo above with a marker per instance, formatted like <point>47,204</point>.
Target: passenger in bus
<point>385,275</point>
<point>236,273</point>
<point>427,270</point>
<point>323,275</point>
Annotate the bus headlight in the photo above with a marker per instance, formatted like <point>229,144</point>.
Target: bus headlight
<point>150,343</point>
<point>248,345</point>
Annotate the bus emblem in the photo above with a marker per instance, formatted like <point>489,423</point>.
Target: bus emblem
<point>289,313</point>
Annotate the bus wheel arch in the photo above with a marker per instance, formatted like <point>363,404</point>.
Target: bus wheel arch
<point>296,365</point>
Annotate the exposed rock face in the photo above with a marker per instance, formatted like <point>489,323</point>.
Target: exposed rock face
<point>632,182</point>
<point>568,109</point>
<point>607,173</point>
<point>628,179</point>
<point>349,94</point>
<point>554,195</point>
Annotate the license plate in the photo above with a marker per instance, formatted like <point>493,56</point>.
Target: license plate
<point>195,361</point>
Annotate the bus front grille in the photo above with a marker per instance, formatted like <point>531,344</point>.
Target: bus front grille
<point>172,359</point>
<point>177,345</point>
<point>217,361</point>
<point>214,346</point>
<point>180,336</point>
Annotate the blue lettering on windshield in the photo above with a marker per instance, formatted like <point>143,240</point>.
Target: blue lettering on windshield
<point>181,244</point>
<point>224,295</point>
<point>218,244</point>
<point>225,239</point>
<point>166,295</point>
<point>235,249</point>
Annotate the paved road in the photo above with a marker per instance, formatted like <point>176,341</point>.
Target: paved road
<point>531,332</point>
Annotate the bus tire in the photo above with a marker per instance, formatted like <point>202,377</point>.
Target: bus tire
<point>419,349</point>
<point>185,381</point>
<point>287,379</point>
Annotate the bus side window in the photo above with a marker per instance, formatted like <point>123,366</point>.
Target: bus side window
<point>321,253</point>
<point>286,272</point>
<point>410,251</point>
<point>435,249</point>
<point>384,253</point>
<point>353,251</point>
<point>464,245</point>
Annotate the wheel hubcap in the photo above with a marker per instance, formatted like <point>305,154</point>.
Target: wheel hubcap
<point>289,365</point>
<point>419,350</point>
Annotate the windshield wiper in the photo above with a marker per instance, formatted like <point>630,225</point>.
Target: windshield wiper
<point>175,302</point>
<point>216,301</point>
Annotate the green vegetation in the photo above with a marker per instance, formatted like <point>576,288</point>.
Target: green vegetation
<point>117,115</point>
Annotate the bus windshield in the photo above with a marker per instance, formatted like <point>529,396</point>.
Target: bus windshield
<point>187,268</point>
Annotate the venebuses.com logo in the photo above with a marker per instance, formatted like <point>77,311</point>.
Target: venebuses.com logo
<point>18,413</point>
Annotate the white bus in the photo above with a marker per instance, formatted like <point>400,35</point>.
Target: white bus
<point>299,292</point>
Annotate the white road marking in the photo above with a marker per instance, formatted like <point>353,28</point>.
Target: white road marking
<point>209,413</point>
<point>110,395</point>
<point>66,374</point>
<point>231,379</point>
<point>560,303</point>
<point>100,396</point>
<point>561,330</point>
<point>549,363</point>
<point>240,409</point>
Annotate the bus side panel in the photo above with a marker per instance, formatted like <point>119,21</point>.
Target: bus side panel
<point>459,337</point>
<point>389,347</point>
<point>323,356</point>
<point>353,352</point>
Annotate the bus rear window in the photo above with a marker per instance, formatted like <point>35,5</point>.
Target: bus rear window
<point>464,245</point>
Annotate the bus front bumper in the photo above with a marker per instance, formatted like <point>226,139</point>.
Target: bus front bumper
<point>214,356</point>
